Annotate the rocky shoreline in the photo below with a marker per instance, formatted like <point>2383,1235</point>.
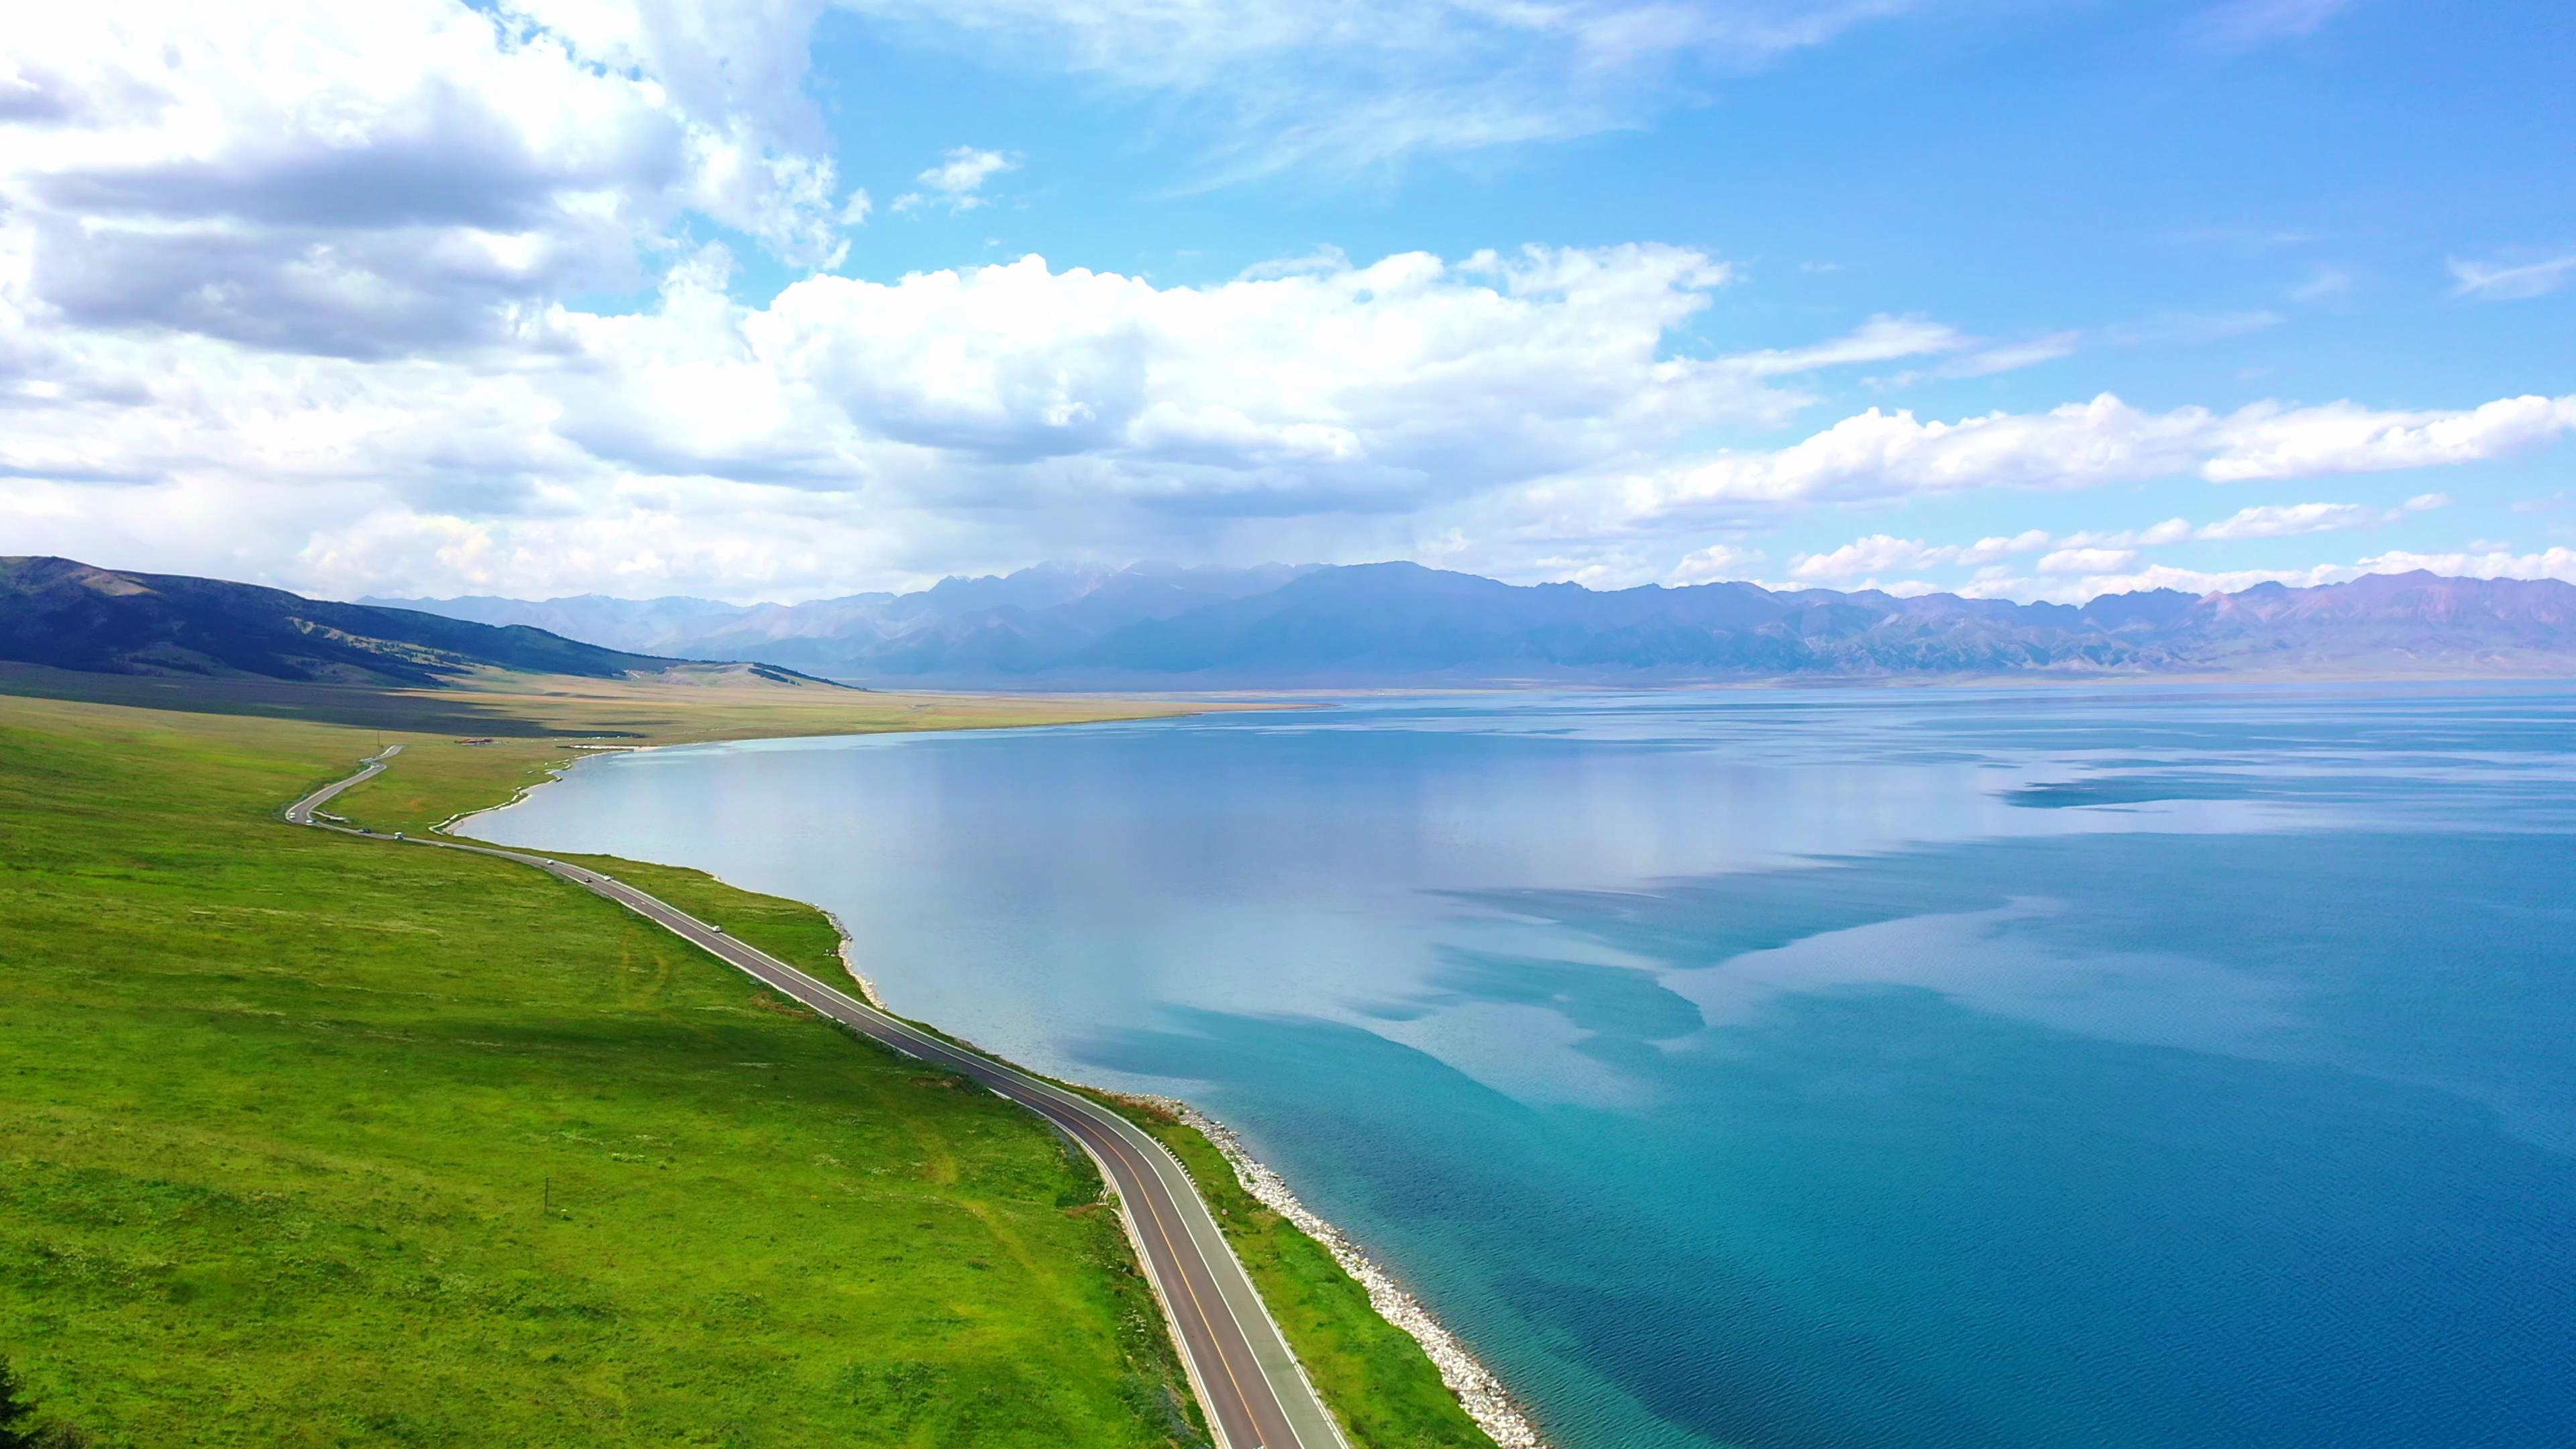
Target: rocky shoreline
<point>849,952</point>
<point>1485,1398</point>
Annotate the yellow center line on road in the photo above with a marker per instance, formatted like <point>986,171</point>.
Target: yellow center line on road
<point>1224,1359</point>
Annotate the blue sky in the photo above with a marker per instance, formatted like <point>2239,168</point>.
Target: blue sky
<point>786,300</point>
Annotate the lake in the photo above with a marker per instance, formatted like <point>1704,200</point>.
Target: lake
<point>1908,1067</point>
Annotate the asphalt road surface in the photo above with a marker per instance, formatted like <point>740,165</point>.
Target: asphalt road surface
<point>1255,1395</point>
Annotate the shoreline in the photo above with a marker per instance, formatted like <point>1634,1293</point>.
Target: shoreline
<point>1479,1390</point>
<point>848,951</point>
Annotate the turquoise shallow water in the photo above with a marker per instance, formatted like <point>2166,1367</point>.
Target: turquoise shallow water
<point>1908,1068</point>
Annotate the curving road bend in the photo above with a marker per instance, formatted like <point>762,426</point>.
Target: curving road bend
<point>1255,1393</point>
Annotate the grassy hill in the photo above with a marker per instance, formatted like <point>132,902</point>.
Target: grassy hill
<point>68,615</point>
<point>308,1141</point>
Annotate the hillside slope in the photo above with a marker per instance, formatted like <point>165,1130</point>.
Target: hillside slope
<point>69,615</point>
<point>312,1141</point>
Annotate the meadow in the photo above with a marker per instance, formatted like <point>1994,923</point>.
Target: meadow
<point>311,1140</point>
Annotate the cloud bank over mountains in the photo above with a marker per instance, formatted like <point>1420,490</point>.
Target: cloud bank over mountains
<point>451,297</point>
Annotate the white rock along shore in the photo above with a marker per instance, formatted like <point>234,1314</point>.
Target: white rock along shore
<point>1486,1400</point>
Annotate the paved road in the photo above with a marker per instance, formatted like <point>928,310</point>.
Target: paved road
<point>1255,1394</point>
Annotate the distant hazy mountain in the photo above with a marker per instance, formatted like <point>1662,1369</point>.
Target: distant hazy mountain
<point>984,627</point>
<point>70,615</point>
<point>646,627</point>
<point>1158,626</point>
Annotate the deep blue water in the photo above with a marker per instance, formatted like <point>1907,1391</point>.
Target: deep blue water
<point>1924,1068</point>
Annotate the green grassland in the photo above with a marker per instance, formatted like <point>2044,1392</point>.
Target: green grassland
<point>307,1140</point>
<point>690,702</point>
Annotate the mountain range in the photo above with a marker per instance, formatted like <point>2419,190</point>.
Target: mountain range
<point>1279,626</point>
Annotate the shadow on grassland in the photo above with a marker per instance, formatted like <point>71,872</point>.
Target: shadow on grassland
<point>368,707</point>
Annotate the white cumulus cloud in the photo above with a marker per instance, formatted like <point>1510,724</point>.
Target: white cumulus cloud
<point>879,429</point>
<point>2093,553</point>
<point>2289,520</point>
<point>1881,454</point>
<point>378,179</point>
<point>1987,550</point>
<point>957,182</point>
<point>1878,553</point>
<point>2087,560</point>
<point>1712,564</point>
<point>2267,441</point>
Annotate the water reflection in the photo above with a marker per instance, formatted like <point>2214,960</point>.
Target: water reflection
<point>1783,1068</point>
